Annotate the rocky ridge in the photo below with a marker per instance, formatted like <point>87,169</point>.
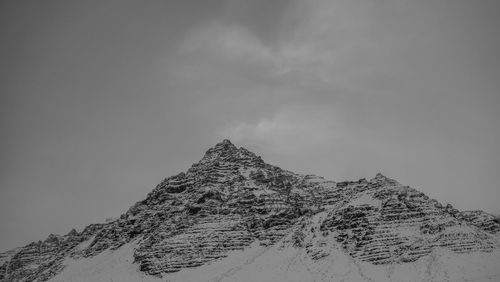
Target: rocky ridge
<point>231,198</point>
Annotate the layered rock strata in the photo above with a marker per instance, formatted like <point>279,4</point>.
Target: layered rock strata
<point>231,198</point>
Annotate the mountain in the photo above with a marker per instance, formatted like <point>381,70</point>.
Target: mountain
<point>233,217</point>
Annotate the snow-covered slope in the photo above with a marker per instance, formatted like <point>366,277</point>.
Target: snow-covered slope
<point>232,217</point>
<point>287,263</point>
<point>284,262</point>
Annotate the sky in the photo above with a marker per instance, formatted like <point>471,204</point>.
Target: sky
<point>101,100</point>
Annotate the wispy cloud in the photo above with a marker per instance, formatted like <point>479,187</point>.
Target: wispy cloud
<point>226,42</point>
<point>289,130</point>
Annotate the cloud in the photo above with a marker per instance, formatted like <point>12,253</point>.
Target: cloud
<point>221,46</point>
<point>228,60</point>
<point>225,42</point>
<point>289,130</point>
<point>330,48</point>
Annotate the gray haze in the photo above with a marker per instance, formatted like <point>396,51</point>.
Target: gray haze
<point>100,100</point>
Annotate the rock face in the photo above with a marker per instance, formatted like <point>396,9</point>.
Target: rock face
<point>385,222</point>
<point>231,198</point>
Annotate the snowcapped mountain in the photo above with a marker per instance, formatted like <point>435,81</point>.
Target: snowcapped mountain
<point>233,217</point>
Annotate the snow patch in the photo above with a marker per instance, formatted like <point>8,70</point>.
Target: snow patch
<point>366,199</point>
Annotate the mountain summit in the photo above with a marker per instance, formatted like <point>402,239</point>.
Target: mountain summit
<point>226,151</point>
<point>233,217</point>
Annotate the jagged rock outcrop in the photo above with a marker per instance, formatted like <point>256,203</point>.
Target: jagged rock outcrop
<point>231,198</point>
<point>384,222</point>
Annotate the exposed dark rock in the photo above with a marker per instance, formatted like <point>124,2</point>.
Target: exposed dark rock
<point>231,198</point>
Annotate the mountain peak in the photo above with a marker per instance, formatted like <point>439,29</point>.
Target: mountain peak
<point>227,151</point>
<point>379,176</point>
<point>225,141</point>
<point>223,148</point>
<point>232,201</point>
<point>383,180</point>
<point>225,144</point>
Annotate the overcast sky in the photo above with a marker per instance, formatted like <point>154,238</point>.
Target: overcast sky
<point>100,100</point>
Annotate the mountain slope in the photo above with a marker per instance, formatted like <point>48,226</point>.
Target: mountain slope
<point>231,203</point>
